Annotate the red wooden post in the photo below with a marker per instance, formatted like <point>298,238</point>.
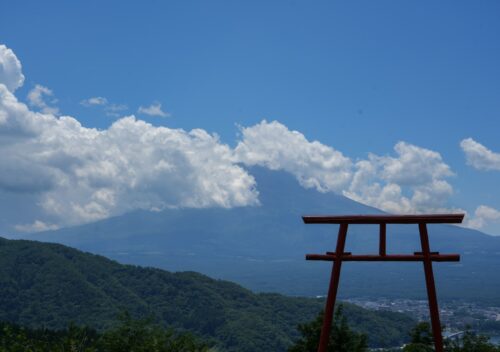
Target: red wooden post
<point>332,290</point>
<point>431,288</point>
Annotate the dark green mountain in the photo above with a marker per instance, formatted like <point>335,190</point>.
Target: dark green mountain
<point>263,247</point>
<point>50,285</point>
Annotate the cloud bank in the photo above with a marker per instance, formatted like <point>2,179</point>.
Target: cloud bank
<point>81,174</point>
<point>412,181</point>
<point>84,174</point>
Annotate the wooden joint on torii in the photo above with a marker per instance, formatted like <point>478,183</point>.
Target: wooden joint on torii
<point>425,256</point>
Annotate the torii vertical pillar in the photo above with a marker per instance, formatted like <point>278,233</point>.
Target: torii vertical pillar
<point>425,256</point>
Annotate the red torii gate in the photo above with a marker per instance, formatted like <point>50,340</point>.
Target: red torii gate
<point>425,256</point>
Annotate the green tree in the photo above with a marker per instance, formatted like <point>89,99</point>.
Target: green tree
<point>421,339</point>
<point>342,338</point>
<point>471,342</point>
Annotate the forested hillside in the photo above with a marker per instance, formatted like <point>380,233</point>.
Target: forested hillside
<point>50,285</point>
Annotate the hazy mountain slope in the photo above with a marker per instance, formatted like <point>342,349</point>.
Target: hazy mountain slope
<point>51,285</point>
<point>263,247</point>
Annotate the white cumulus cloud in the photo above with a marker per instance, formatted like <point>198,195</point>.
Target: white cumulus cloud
<point>412,181</point>
<point>153,110</point>
<point>37,96</point>
<point>315,165</point>
<point>10,69</point>
<point>483,216</point>
<point>480,157</point>
<point>415,180</point>
<point>92,174</point>
<point>82,174</point>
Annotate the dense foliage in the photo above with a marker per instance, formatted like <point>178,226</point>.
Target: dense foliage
<point>342,338</point>
<point>471,342</point>
<point>49,285</point>
<point>129,335</point>
<point>422,341</point>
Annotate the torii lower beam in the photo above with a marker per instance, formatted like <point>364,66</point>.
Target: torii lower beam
<point>425,256</point>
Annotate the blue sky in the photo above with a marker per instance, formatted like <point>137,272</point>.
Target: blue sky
<point>357,76</point>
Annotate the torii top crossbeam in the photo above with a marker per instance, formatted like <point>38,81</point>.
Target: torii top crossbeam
<point>425,256</point>
<point>384,219</point>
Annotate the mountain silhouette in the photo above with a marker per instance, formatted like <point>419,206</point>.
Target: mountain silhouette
<point>263,247</point>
